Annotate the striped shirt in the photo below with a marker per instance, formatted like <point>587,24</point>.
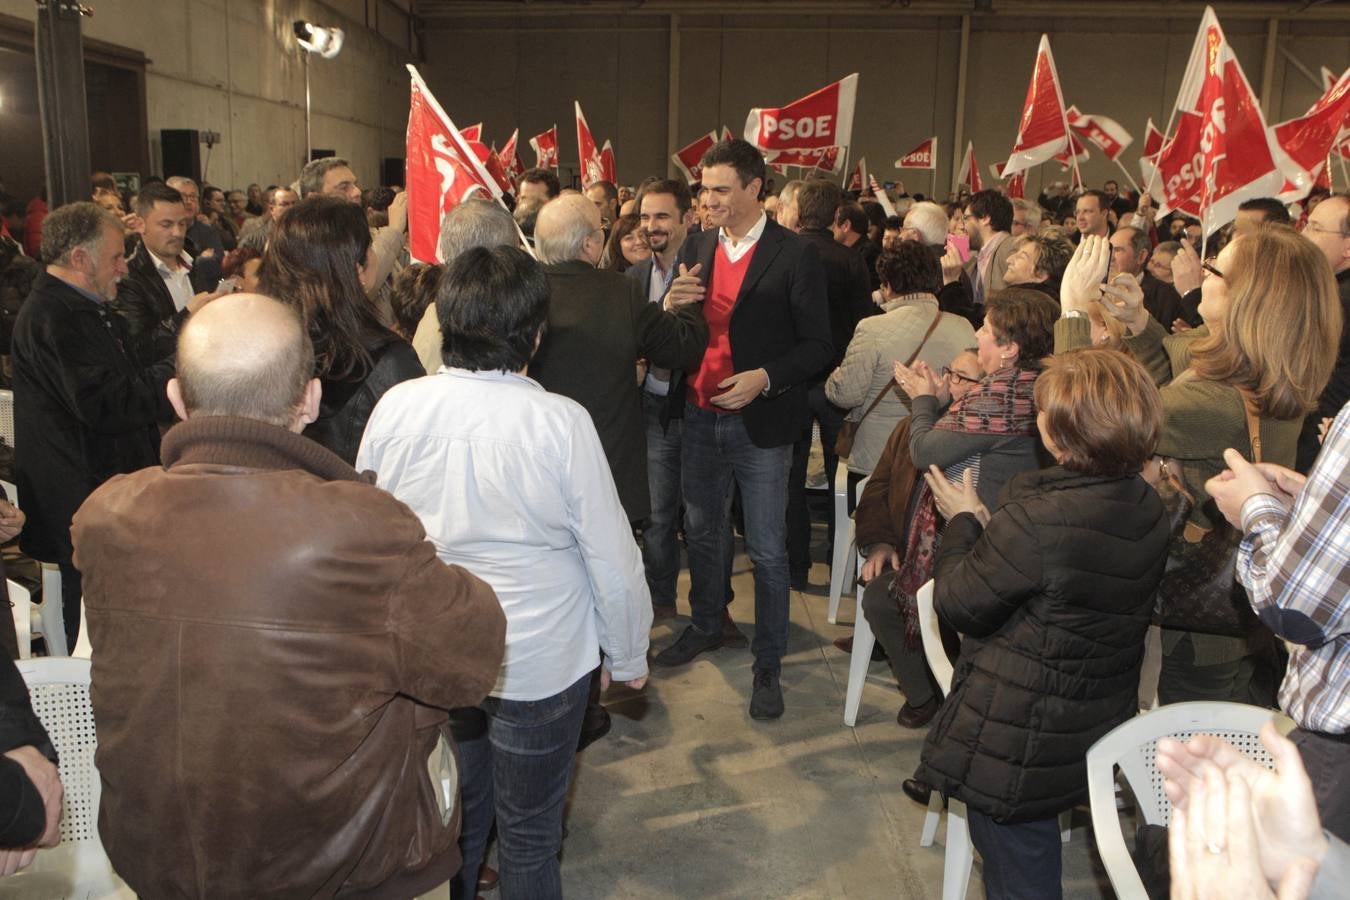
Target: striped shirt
<point>1295,566</point>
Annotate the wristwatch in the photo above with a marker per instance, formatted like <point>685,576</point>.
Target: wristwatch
<point>1075,314</point>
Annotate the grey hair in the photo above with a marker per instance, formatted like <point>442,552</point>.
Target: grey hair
<point>1035,215</point>
<point>75,225</point>
<point>930,220</point>
<point>561,230</point>
<point>788,192</point>
<point>476,223</point>
<point>174,181</point>
<point>311,176</point>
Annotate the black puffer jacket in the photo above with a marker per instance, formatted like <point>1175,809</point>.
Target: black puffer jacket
<point>346,405</point>
<point>1054,599</point>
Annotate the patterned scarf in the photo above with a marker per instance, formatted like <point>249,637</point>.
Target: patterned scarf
<point>1001,404</point>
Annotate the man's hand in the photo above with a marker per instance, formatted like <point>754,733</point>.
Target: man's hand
<point>1233,487</point>
<point>642,367</point>
<point>607,679</point>
<point>952,500</point>
<point>11,521</point>
<point>1180,325</point>
<point>1123,298</point>
<point>882,557</point>
<point>398,211</point>
<point>1272,816</point>
<point>134,223</point>
<point>1082,280</point>
<point>686,288</point>
<point>951,265</point>
<point>741,388</point>
<point>1186,275</point>
<point>194,306</point>
<point>47,779</point>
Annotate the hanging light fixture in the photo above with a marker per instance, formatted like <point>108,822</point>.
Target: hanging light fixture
<point>327,43</point>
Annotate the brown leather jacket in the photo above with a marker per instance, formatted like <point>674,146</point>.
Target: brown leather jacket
<point>275,647</point>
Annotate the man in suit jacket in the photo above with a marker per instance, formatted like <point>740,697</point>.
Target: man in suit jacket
<point>84,411</point>
<point>764,295</point>
<point>162,287</point>
<point>599,325</point>
<point>989,217</point>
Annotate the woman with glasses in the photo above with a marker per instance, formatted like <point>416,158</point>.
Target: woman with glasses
<point>1242,380</point>
<point>911,323</point>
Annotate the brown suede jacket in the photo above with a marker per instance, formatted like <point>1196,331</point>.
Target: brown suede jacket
<point>276,644</point>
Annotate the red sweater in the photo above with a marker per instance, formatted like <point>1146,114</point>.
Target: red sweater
<point>717,366</point>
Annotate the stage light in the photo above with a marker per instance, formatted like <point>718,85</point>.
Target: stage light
<point>325,41</point>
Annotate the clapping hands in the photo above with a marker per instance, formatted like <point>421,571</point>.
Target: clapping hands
<point>1082,281</point>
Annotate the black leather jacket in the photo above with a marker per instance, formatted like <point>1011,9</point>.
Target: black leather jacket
<point>346,405</point>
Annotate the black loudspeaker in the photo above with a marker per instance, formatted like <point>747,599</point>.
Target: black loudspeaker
<point>392,172</point>
<point>316,153</point>
<point>181,149</point>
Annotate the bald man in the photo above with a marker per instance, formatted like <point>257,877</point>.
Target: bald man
<point>277,643</point>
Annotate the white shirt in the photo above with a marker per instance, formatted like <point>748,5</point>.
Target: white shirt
<point>178,282</point>
<point>511,483</point>
<point>736,249</point>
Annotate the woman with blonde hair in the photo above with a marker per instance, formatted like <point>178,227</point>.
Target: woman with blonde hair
<point>1244,379</point>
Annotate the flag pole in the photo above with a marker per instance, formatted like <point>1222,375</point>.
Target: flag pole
<point>933,158</point>
<point>1344,175</point>
<point>1126,172</point>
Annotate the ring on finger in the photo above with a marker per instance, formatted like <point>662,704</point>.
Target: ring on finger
<point>1214,847</point>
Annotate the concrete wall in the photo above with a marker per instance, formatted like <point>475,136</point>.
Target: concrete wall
<point>232,66</point>
<point>526,71</point>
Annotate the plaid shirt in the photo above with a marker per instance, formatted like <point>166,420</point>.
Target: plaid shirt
<point>1295,566</point>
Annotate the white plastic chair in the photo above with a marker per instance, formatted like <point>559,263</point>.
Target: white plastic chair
<point>1132,746</point>
<point>843,564</point>
<point>53,621</point>
<point>7,417</point>
<point>861,658</point>
<point>22,607</point>
<point>960,852</point>
<point>83,649</point>
<point>78,867</point>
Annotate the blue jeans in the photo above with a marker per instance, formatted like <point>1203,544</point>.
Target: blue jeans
<point>520,767</point>
<point>717,450</point>
<point>660,547</point>
<point>1022,861</point>
<point>830,418</point>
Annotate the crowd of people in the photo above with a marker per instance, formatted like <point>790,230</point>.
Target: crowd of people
<point>434,509</point>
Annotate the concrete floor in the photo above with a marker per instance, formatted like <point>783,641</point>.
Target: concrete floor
<point>689,797</point>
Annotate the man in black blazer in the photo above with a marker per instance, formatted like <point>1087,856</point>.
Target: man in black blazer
<point>599,325</point>
<point>764,298</point>
<point>162,287</point>
<point>84,411</point>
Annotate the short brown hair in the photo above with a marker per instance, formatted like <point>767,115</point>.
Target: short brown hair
<point>1102,411</point>
<point>1026,316</point>
<point>1279,337</point>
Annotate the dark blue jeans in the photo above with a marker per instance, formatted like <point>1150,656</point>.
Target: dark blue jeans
<point>717,451</point>
<point>1022,861</point>
<point>660,547</point>
<point>830,418</point>
<point>519,768</point>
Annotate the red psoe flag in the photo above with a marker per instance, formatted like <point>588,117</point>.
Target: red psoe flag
<point>473,132</point>
<point>858,179</point>
<point>1221,153</point>
<point>1107,134</point>
<point>687,158</point>
<point>829,159</point>
<point>1311,138</point>
<point>1015,185</point>
<point>817,121</point>
<point>607,167</point>
<point>592,167</point>
<point>545,147</point>
<point>923,156</point>
<point>510,159</point>
<point>1153,139</point>
<point>726,134</point>
<point>1042,132</point>
<point>443,170</point>
<point>969,173</point>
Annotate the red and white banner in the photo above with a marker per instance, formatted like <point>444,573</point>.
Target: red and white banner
<point>829,159</point>
<point>819,120</point>
<point>592,166</point>
<point>1015,186</point>
<point>1328,79</point>
<point>1153,139</point>
<point>969,173</point>
<point>488,157</point>
<point>510,159</point>
<point>443,170</point>
<point>923,156</point>
<point>473,132</point>
<point>1310,139</point>
<point>687,158</point>
<point>726,134</point>
<point>858,179</point>
<point>1042,132</point>
<point>607,167</point>
<point>1220,154</point>
<point>1106,133</point>
<point>1071,165</point>
<point>546,149</point>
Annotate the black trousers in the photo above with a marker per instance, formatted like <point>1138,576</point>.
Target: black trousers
<point>1327,759</point>
<point>1022,861</point>
<point>71,592</point>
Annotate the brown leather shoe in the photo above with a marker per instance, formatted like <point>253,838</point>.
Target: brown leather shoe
<point>917,716</point>
<point>487,878</point>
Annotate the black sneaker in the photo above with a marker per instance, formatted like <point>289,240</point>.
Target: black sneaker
<point>766,701</point>
<point>594,725</point>
<point>689,644</point>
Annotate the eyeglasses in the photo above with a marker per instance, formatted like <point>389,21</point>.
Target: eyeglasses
<point>957,377</point>
<point>1317,228</point>
<point>1211,269</point>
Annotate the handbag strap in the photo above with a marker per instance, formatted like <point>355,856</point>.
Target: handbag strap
<point>909,362</point>
<point>1253,432</point>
